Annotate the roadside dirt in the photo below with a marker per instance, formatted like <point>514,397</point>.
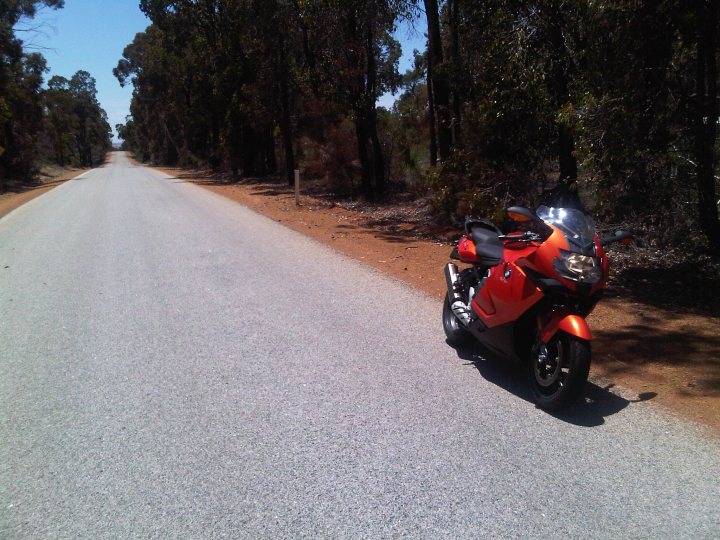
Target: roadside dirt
<point>49,178</point>
<point>670,357</point>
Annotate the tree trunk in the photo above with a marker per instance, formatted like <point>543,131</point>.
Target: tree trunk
<point>286,121</point>
<point>270,161</point>
<point>60,154</point>
<point>249,150</point>
<point>431,114</point>
<point>361,133</point>
<point>170,157</point>
<point>453,6</point>
<point>378,157</point>
<point>234,154</point>
<point>566,156</point>
<point>559,87</point>
<point>706,120</point>
<point>359,99</point>
<point>439,80</point>
<point>233,142</point>
<point>308,53</point>
<point>370,99</point>
<point>214,139</point>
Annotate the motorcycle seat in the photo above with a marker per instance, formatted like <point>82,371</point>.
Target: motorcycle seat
<point>488,246</point>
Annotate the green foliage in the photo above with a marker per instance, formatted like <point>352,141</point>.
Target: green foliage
<point>600,99</point>
<point>608,105</point>
<point>463,186</point>
<point>76,130</point>
<point>224,82</point>
<point>63,123</point>
<point>335,160</point>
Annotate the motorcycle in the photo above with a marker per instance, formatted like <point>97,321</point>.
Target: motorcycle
<point>526,295</point>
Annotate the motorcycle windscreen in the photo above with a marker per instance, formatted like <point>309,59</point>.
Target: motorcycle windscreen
<point>578,228</point>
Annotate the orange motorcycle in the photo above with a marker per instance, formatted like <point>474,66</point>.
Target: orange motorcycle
<point>525,295</point>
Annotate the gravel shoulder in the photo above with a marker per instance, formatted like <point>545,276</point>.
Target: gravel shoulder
<point>49,178</point>
<point>640,350</point>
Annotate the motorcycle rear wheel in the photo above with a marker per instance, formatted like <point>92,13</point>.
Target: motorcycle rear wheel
<point>455,332</point>
<point>558,379</point>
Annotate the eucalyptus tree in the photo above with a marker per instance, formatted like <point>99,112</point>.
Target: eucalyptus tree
<point>238,61</point>
<point>438,79</point>
<point>705,116</point>
<point>226,72</point>
<point>355,57</point>
<point>20,87</point>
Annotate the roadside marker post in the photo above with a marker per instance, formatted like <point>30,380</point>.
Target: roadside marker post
<point>297,187</point>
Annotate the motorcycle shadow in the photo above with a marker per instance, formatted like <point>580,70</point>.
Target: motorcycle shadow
<point>590,410</point>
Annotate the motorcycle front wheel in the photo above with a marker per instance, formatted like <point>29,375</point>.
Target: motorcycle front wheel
<point>558,371</point>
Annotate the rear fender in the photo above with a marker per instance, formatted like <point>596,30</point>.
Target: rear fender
<point>575,325</point>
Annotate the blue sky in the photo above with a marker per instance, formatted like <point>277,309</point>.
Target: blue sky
<point>410,38</point>
<point>91,35</point>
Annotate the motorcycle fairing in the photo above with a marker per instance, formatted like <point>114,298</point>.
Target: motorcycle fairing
<point>506,295</point>
<point>541,258</point>
<point>572,324</point>
<point>500,339</point>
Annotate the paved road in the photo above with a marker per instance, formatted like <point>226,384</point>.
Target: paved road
<point>174,365</point>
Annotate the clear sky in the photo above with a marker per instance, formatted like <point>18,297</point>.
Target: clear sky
<point>410,37</point>
<point>91,35</point>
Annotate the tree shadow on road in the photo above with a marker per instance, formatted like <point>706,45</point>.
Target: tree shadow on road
<point>596,404</point>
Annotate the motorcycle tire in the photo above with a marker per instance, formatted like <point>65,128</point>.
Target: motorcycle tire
<point>560,380</point>
<point>455,332</point>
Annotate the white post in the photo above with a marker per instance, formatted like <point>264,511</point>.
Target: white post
<point>297,187</point>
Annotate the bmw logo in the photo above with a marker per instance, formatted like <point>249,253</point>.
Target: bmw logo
<point>508,273</point>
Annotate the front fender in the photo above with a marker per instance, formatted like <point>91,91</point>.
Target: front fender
<point>575,325</point>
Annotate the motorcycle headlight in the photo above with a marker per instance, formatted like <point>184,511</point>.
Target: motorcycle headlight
<point>580,268</point>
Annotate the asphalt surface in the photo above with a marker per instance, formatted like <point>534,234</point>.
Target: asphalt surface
<point>174,365</point>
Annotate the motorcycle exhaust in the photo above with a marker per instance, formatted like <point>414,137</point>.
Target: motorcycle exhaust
<point>458,306</point>
<point>451,276</point>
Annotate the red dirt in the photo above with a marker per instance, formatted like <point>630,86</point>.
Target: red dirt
<point>643,348</point>
<point>18,196</point>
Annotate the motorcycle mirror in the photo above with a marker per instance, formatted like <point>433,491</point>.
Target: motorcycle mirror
<point>625,237</point>
<point>518,213</point>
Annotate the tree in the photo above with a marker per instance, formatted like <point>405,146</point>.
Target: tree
<point>60,121</point>
<point>64,118</point>
<point>229,114</point>
<point>356,74</point>
<point>437,70</point>
<point>20,86</point>
<point>706,117</point>
<point>525,101</point>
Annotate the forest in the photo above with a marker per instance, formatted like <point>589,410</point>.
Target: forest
<point>55,122</point>
<point>611,105</point>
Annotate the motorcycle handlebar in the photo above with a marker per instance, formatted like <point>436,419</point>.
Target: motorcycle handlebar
<point>525,237</point>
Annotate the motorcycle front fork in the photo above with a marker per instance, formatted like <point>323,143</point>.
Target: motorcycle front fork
<point>481,275</point>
